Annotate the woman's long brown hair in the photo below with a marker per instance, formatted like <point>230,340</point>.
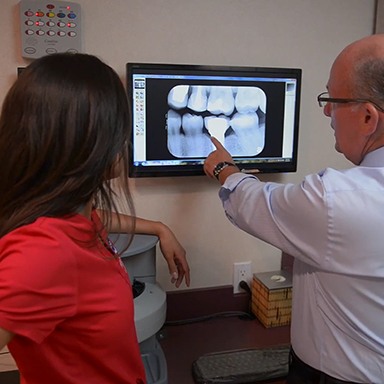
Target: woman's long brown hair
<point>63,124</point>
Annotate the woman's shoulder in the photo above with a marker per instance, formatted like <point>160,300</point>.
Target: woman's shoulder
<point>49,231</point>
<point>42,250</point>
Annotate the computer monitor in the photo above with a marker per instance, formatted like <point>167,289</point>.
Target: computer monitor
<point>252,111</point>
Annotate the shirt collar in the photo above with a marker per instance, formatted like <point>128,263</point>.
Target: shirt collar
<point>374,158</point>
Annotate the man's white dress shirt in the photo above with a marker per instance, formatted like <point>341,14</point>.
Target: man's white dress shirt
<point>333,224</point>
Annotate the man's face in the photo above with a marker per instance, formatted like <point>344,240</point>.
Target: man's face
<point>344,117</point>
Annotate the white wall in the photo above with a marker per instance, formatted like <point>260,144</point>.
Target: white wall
<point>295,33</point>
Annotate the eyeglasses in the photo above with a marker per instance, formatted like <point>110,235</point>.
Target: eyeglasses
<point>324,98</point>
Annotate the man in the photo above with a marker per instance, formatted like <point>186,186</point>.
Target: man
<point>333,225</point>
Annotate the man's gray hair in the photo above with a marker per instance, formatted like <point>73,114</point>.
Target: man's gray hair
<point>368,80</point>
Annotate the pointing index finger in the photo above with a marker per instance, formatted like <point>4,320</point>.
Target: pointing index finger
<point>216,143</point>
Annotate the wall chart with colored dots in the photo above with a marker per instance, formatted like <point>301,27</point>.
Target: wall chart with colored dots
<point>48,27</point>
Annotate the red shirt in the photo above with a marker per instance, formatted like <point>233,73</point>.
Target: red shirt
<point>69,303</point>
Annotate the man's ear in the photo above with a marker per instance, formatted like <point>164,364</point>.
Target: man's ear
<point>371,119</point>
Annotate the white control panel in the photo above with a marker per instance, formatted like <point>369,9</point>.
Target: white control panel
<point>48,27</point>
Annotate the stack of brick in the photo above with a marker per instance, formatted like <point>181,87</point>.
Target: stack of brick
<point>272,297</point>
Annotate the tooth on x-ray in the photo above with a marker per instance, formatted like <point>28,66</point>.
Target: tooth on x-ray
<point>221,101</point>
<point>173,122</point>
<point>246,128</point>
<point>199,98</point>
<point>178,96</point>
<point>217,126</point>
<point>244,121</point>
<point>174,131</point>
<point>192,124</point>
<point>249,99</point>
<point>186,137</point>
<point>262,100</point>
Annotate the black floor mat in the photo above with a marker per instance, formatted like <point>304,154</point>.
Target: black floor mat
<point>242,366</point>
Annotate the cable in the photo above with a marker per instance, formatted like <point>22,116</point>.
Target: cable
<point>240,314</point>
<point>244,285</point>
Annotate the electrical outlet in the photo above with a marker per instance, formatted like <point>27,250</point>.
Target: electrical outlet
<point>241,271</point>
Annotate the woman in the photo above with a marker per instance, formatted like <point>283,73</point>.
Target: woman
<point>66,306</point>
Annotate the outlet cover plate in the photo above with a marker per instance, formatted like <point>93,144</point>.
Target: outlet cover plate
<point>241,271</point>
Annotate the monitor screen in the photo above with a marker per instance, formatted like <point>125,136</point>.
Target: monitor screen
<point>252,111</point>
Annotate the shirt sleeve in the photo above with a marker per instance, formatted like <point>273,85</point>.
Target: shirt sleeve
<point>291,217</point>
<point>38,282</point>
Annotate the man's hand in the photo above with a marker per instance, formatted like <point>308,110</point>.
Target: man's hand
<point>219,155</point>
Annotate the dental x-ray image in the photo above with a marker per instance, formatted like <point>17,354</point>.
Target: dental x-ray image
<point>235,115</point>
